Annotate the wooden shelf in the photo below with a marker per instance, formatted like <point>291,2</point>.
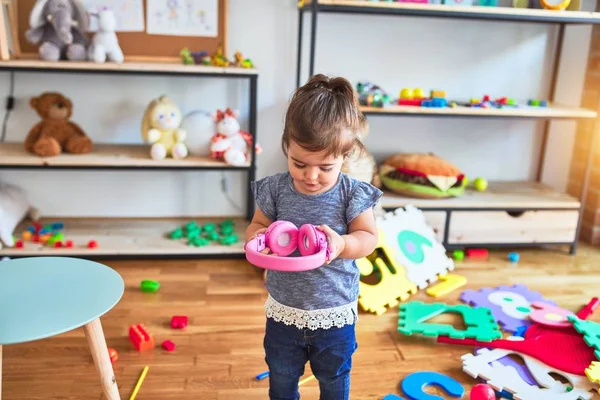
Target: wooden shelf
<point>499,195</point>
<point>128,67</point>
<point>551,112</point>
<point>451,11</point>
<point>127,237</point>
<point>105,156</point>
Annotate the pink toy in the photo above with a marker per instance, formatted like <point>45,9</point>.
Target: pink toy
<point>549,315</point>
<point>168,345</point>
<point>482,391</point>
<point>282,238</point>
<point>179,321</point>
<point>588,309</point>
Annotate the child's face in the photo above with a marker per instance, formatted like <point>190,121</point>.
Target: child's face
<point>313,173</point>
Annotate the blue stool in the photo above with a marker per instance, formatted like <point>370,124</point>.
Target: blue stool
<point>46,296</point>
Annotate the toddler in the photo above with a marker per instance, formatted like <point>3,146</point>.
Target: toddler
<point>311,315</point>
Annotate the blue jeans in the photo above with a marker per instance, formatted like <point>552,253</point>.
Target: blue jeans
<point>329,351</point>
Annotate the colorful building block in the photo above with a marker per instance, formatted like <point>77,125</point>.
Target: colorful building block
<point>179,321</point>
<point>168,345</point>
<point>140,337</point>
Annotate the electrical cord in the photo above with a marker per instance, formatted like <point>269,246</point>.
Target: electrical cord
<point>10,104</point>
<point>225,190</point>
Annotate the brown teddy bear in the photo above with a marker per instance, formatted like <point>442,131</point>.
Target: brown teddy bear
<point>55,133</point>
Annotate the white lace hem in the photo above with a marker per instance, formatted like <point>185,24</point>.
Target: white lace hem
<point>314,319</point>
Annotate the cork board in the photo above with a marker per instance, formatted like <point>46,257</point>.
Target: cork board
<point>139,45</point>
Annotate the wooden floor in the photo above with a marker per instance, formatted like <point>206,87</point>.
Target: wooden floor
<point>221,351</point>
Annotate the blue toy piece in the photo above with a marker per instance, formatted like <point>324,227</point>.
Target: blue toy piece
<point>413,385</point>
<point>513,257</point>
<point>262,375</point>
<point>521,331</point>
<point>392,397</point>
<point>435,103</point>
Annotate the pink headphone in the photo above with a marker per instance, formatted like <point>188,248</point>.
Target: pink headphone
<point>282,238</point>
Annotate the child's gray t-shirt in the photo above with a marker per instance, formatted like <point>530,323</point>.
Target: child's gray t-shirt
<point>326,296</point>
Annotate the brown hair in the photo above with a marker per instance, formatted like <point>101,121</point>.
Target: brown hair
<point>323,115</point>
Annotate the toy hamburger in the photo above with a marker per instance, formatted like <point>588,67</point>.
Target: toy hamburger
<point>422,175</point>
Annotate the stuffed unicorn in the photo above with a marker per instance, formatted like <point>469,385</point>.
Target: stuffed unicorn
<point>230,143</point>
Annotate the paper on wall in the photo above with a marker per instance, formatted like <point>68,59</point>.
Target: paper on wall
<point>129,14</point>
<point>183,17</point>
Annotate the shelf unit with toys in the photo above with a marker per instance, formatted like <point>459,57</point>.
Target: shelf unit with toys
<point>516,214</point>
<point>132,237</point>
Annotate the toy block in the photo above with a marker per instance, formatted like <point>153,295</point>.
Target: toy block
<point>513,257</point>
<point>437,94</point>
<point>414,384</point>
<point>19,244</point>
<point>479,321</point>
<point>149,286</point>
<point>179,321</point>
<point>69,244</point>
<point>168,345</point>
<point>27,235</point>
<point>140,337</point>
<point>588,309</point>
<point>410,102</point>
<point>458,255</point>
<point>448,283</point>
<point>477,253</point>
<point>92,244</point>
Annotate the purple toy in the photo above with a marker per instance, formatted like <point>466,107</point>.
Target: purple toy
<point>510,305</point>
<point>521,369</point>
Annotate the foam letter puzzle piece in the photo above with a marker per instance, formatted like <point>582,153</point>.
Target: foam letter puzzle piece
<point>550,315</point>
<point>510,305</point>
<point>593,372</point>
<point>500,377</point>
<point>479,321</point>
<point>590,331</point>
<point>393,283</point>
<point>520,368</point>
<point>449,283</point>
<point>392,397</point>
<point>418,250</point>
<point>414,384</point>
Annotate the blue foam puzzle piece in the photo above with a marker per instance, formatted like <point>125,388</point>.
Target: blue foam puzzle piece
<point>413,385</point>
<point>392,397</point>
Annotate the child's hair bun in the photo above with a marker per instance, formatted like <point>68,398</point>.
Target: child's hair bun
<point>336,85</point>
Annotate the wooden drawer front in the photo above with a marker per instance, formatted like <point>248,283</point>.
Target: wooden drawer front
<point>501,227</point>
<point>437,220</point>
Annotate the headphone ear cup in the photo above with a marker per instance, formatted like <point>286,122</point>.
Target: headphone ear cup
<point>308,239</point>
<point>282,238</point>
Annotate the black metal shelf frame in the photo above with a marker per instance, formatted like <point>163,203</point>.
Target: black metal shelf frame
<point>314,8</point>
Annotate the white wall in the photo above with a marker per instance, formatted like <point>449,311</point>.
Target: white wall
<point>465,58</point>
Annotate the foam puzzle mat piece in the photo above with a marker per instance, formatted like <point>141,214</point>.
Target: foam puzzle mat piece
<point>479,322</point>
<point>590,331</point>
<point>484,365</point>
<point>414,384</point>
<point>419,251</point>
<point>593,372</point>
<point>510,305</point>
<point>393,284</point>
<point>449,282</point>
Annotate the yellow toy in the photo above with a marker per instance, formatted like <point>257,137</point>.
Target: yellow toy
<point>393,284</point>
<point>161,126</point>
<point>449,283</point>
<point>593,372</point>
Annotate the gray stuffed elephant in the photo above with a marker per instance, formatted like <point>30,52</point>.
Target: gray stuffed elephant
<point>59,28</point>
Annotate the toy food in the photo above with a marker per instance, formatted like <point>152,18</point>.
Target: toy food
<point>161,126</point>
<point>55,133</point>
<point>421,175</point>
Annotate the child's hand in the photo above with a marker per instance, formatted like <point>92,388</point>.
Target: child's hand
<point>335,242</point>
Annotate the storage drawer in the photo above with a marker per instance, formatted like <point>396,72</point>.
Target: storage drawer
<point>545,226</point>
<point>437,220</point>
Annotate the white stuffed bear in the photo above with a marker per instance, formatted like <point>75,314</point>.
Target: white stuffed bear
<point>105,44</point>
<point>13,208</point>
<point>230,143</point>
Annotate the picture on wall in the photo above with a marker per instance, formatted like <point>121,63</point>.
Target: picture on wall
<point>129,14</point>
<point>183,17</point>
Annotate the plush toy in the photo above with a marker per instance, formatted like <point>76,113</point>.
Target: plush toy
<point>161,126</point>
<point>105,44</point>
<point>59,27</point>
<point>55,133</point>
<point>14,206</point>
<point>361,165</point>
<point>422,176</point>
<point>230,143</point>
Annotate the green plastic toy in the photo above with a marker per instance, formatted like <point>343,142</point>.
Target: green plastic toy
<point>149,286</point>
<point>479,321</point>
<point>590,331</point>
<point>210,227</point>
<point>198,241</point>
<point>212,235</point>
<point>176,234</point>
<point>229,239</point>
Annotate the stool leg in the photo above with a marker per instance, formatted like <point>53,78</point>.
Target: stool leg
<point>0,372</point>
<point>97,343</point>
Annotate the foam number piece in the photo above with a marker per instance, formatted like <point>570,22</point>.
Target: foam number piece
<point>417,247</point>
<point>393,285</point>
<point>550,315</point>
<point>448,283</point>
<point>479,321</point>
<point>510,305</point>
<point>484,365</point>
<point>590,331</point>
<point>414,384</point>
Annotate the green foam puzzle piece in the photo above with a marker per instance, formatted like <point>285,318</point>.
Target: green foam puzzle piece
<point>176,234</point>
<point>590,331</point>
<point>479,321</point>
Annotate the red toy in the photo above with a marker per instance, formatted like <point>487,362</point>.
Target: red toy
<point>140,337</point>
<point>19,244</point>
<point>92,244</point>
<point>477,253</point>
<point>114,356</point>
<point>179,321</point>
<point>588,309</point>
<point>482,391</point>
<point>168,345</point>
